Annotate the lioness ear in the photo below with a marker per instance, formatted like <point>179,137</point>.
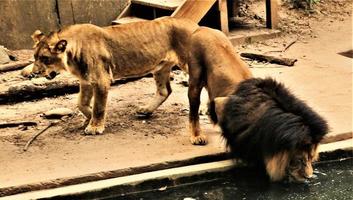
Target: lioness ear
<point>60,46</point>
<point>220,103</point>
<point>37,36</point>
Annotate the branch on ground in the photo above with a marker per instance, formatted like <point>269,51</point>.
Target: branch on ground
<point>269,59</point>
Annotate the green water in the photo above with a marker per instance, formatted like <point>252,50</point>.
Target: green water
<point>334,180</point>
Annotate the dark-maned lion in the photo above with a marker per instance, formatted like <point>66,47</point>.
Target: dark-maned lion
<point>98,55</point>
<point>266,125</point>
<point>262,122</point>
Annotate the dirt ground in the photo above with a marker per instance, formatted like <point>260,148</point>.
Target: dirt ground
<point>321,77</point>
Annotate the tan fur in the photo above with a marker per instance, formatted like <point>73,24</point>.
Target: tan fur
<point>298,165</point>
<point>97,55</point>
<point>276,166</point>
<point>215,65</point>
<point>220,103</point>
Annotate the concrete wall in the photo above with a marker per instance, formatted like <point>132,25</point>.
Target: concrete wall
<point>20,18</point>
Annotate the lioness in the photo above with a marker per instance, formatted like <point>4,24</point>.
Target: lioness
<point>215,65</point>
<point>98,55</point>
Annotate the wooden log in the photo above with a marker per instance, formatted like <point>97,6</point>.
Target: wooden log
<point>17,123</point>
<point>29,90</point>
<point>40,88</point>
<point>269,59</point>
<point>14,65</point>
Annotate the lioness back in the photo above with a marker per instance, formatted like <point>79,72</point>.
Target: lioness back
<point>132,49</point>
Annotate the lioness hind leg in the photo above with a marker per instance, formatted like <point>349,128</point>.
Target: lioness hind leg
<point>97,122</point>
<point>84,101</point>
<point>194,92</point>
<point>162,78</point>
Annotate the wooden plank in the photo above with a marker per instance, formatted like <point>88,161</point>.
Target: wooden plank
<point>193,10</point>
<point>162,4</point>
<point>126,20</point>
<point>126,12</point>
<point>271,13</point>
<point>222,4</point>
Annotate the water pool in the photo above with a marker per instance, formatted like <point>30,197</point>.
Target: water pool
<point>334,181</point>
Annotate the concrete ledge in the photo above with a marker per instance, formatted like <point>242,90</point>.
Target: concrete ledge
<point>329,147</point>
<point>55,183</point>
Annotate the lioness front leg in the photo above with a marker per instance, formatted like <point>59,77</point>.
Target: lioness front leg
<point>163,91</point>
<point>97,121</point>
<point>84,101</point>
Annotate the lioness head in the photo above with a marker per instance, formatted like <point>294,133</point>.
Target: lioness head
<point>48,54</point>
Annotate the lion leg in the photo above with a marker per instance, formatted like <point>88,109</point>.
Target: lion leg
<point>84,101</point>
<point>96,124</point>
<point>162,78</point>
<point>194,92</point>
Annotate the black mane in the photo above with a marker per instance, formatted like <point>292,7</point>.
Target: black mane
<point>262,118</point>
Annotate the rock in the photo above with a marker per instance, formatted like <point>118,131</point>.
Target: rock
<point>58,113</point>
<point>39,81</point>
<point>4,57</point>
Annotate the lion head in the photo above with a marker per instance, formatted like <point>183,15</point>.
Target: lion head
<point>264,123</point>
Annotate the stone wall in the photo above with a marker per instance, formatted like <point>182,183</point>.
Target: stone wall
<point>20,18</point>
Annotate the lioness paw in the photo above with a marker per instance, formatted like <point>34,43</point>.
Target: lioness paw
<point>94,130</point>
<point>198,140</point>
<point>144,111</point>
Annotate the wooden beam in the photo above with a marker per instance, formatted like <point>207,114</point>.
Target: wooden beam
<point>194,10</point>
<point>162,4</point>
<point>223,13</point>
<point>126,12</point>
<point>271,14</point>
